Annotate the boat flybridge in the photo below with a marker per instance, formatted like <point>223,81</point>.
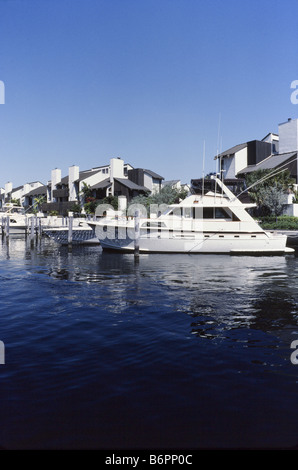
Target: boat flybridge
<point>212,222</point>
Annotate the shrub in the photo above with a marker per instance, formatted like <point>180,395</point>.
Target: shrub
<point>283,222</point>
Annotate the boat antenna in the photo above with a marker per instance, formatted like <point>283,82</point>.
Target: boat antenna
<point>218,157</point>
<point>218,133</point>
<point>203,170</point>
<point>222,171</point>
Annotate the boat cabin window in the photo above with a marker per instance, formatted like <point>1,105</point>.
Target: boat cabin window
<point>216,213</point>
<point>177,212</point>
<point>221,213</point>
<point>153,224</point>
<point>208,212</point>
<point>189,212</point>
<point>235,218</point>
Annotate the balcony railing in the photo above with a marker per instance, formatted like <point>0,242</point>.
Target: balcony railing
<point>60,192</point>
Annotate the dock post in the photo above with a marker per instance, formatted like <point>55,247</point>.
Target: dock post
<point>137,234</point>
<point>7,228</point>
<point>70,223</point>
<point>39,228</point>
<point>32,231</point>
<point>2,226</point>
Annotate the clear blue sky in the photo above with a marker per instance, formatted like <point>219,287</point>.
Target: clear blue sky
<point>145,80</point>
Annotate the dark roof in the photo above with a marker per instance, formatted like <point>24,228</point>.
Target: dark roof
<point>170,182</point>
<point>41,190</point>
<point>63,180</point>
<point>16,189</point>
<point>125,182</point>
<point>85,174</point>
<point>82,175</point>
<point>102,184</point>
<point>131,185</point>
<point>273,161</point>
<point>153,174</point>
<point>21,187</point>
<point>231,151</point>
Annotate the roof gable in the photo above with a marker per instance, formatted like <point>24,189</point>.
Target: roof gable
<point>231,151</point>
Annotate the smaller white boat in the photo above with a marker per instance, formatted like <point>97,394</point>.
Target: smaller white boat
<point>15,218</point>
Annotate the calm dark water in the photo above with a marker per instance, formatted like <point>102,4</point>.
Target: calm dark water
<point>175,352</point>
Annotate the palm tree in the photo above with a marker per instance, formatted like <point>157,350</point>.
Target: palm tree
<point>38,202</point>
<point>86,190</point>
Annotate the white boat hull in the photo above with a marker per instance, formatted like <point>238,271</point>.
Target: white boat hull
<point>213,243</point>
<point>16,229</point>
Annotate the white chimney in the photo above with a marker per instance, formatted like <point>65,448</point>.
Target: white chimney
<point>26,188</point>
<point>8,188</point>
<point>73,176</point>
<point>55,178</point>
<point>116,168</point>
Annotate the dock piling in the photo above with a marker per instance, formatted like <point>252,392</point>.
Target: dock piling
<point>39,228</point>
<point>32,231</point>
<point>70,225</point>
<point>7,228</point>
<point>137,235</point>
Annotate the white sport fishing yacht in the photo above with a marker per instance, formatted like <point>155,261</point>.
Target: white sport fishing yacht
<point>215,222</point>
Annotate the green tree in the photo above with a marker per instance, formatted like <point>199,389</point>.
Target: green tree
<point>90,205</point>
<point>112,200</point>
<point>86,191</point>
<point>90,202</point>
<point>38,202</point>
<point>267,189</point>
<point>271,199</point>
<point>15,202</point>
<point>167,195</point>
<point>76,208</point>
